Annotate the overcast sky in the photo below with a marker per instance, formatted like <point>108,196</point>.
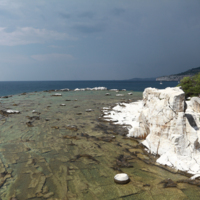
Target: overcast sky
<point>97,40</point>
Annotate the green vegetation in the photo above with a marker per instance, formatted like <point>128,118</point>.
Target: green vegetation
<point>191,85</point>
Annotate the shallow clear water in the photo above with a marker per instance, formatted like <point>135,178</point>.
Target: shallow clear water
<point>68,153</point>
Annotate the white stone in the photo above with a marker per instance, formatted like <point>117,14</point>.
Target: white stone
<point>13,111</point>
<point>169,126</point>
<point>88,110</point>
<point>57,94</point>
<point>195,176</point>
<point>119,95</point>
<point>114,90</point>
<point>90,89</point>
<point>122,177</point>
<point>65,89</point>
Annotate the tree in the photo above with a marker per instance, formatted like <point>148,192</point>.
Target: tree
<point>191,85</point>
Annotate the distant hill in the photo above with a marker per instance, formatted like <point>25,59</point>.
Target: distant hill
<point>142,79</point>
<point>178,77</point>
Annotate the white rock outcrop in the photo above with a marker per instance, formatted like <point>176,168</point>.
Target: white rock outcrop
<point>90,89</point>
<point>169,126</point>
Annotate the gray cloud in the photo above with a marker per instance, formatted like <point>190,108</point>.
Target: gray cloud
<point>7,15</point>
<point>64,15</point>
<point>87,14</point>
<point>118,11</point>
<point>127,39</point>
<point>89,28</point>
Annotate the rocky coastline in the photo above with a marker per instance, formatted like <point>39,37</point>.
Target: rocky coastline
<point>167,125</point>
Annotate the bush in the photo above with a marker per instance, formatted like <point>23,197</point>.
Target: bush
<point>191,85</point>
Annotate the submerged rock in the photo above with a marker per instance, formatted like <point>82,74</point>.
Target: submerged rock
<point>12,111</point>
<point>7,112</point>
<point>72,128</point>
<point>88,110</point>
<point>57,95</point>
<point>168,183</point>
<point>29,124</point>
<point>119,95</point>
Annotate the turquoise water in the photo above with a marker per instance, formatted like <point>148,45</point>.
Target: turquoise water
<point>66,153</point>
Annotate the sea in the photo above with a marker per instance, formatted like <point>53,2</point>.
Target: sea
<point>62,147</point>
<point>17,87</point>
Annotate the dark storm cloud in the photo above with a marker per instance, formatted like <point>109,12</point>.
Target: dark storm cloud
<point>85,28</point>
<point>88,14</point>
<point>117,39</point>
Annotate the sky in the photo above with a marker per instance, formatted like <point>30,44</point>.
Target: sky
<point>97,40</point>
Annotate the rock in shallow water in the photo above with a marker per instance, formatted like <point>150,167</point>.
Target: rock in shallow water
<point>121,178</point>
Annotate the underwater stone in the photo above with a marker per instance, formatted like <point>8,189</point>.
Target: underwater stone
<point>114,90</point>
<point>57,94</point>
<point>88,110</point>
<point>119,95</point>
<point>12,111</point>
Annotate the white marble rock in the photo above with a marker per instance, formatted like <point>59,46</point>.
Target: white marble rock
<point>168,125</point>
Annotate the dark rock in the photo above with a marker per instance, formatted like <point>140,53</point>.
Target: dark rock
<point>70,137</point>
<point>86,156</point>
<point>55,127</point>
<point>33,117</point>
<point>168,183</point>
<point>4,113</point>
<point>72,128</point>
<point>29,124</point>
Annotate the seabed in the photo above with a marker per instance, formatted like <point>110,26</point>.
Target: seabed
<point>66,152</point>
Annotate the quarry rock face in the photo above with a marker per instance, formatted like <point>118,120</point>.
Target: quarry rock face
<point>168,125</point>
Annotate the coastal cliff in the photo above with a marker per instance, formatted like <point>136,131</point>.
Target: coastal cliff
<point>178,77</point>
<point>168,125</point>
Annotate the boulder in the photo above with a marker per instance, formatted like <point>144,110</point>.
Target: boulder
<point>168,125</point>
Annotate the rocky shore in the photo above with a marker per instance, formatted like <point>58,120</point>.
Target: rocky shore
<point>167,125</point>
